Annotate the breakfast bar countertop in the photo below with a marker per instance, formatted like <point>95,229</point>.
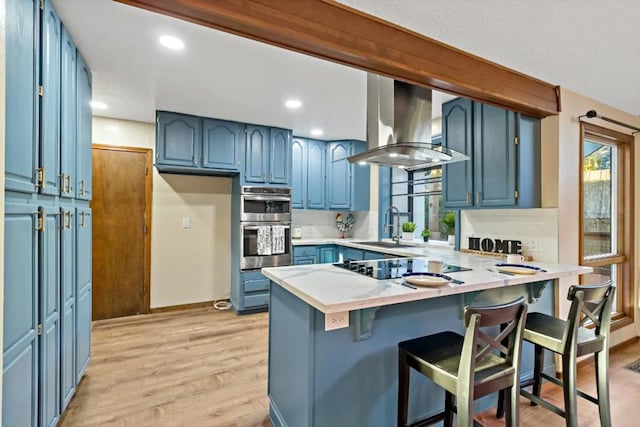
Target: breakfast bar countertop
<point>331,289</point>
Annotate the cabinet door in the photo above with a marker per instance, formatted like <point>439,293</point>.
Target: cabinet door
<point>298,173</point>
<point>20,317</point>
<point>529,162</point>
<point>305,260</point>
<point>494,156</point>
<point>50,105</point>
<point>316,170</point>
<point>280,156</point>
<point>179,138</point>
<point>21,65</point>
<point>222,144</point>
<point>339,175</point>
<point>457,134</point>
<point>83,130</point>
<point>68,307</point>
<point>83,290</point>
<point>50,319</point>
<point>328,254</point>
<point>256,162</point>
<point>360,180</point>
<point>68,117</point>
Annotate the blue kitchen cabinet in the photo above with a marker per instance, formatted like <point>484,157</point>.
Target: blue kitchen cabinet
<point>20,347</point>
<point>368,255</point>
<point>254,292</point>
<point>305,255</point>
<point>338,175</point>
<point>305,260</point>
<point>316,172</point>
<point>222,144</point>
<point>67,305</point>
<point>179,140</point>
<point>83,290</point>
<point>279,156</point>
<point>21,98</point>
<point>351,254</point>
<point>328,254</point>
<point>360,180</point>
<point>256,164</point>
<point>49,255</point>
<point>84,87</point>
<point>457,134</point>
<point>298,173</point>
<point>50,105</point>
<point>68,117</point>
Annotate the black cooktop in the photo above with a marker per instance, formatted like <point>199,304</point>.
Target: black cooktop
<point>394,267</point>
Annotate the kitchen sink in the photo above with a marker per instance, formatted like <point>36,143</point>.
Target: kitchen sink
<point>389,245</point>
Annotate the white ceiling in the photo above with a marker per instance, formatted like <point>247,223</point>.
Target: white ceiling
<point>216,75</point>
<point>588,46</point>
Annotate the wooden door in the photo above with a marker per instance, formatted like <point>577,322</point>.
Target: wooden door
<point>121,208</point>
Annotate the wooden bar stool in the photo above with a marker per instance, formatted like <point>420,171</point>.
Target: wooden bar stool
<point>571,339</point>
<point>468,367</point>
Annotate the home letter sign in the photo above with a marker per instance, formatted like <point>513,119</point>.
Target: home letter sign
<point>497,246</point>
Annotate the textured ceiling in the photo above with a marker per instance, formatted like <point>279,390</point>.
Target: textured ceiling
<point>588,46</point>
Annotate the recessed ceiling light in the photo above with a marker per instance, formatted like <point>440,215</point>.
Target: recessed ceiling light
<point>98,105</point>
<point>293,104</point>
<point>393,154</point>
<point>316,132</point>
<point>171,42</point>
<point>362,163</point>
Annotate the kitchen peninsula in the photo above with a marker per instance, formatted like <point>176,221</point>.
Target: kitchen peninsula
<point>325,372</point>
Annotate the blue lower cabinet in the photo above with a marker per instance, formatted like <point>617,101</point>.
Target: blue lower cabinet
<point>373,255</point>
<point>328,254</point>
<point>254,292</point>
<point>305,260</point>
<point>352,254</point>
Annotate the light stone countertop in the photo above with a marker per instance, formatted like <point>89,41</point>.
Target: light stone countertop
<point>331,289</point>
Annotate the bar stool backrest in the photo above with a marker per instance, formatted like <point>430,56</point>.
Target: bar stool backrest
<point>511,317</point>
<point>590,303</point>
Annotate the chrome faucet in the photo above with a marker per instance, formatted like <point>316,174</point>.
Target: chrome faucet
<point>395,227</point>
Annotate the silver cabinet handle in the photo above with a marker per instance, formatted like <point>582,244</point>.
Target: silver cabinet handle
<point>478,197</point>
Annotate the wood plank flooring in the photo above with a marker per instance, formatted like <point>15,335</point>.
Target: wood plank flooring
<point>208,368</point>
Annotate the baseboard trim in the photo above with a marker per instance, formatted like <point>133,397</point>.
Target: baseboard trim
<point>180,307</point>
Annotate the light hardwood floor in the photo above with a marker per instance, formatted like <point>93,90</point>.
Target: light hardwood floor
<point>208,368</point>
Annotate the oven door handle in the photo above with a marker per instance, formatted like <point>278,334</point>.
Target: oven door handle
<point>255,227</point>
<point>268,198</point>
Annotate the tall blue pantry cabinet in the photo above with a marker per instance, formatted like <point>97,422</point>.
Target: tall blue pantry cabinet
<point>47,247</point>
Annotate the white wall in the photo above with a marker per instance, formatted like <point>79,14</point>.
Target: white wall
<point>568,182</point>
<point>187,265</point>
<point>3,37</point>
<point>321,224</point>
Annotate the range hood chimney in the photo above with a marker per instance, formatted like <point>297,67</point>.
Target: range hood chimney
<point>399,127</point>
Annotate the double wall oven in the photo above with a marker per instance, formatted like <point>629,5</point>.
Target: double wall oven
<point>265,215</point>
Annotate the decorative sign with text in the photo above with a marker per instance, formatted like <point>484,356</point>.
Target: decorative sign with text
<point>498,246</point>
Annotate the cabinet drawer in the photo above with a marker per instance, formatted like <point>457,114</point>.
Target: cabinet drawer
<point>256,300</point>
<point>251,275</point>
<point>305,260</point>
<point>256,285</point>
<point>304,251</point>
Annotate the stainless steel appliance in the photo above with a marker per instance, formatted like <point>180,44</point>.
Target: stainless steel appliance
<point>265,204</point>
<point>264,208</point>
<point>394,268</point>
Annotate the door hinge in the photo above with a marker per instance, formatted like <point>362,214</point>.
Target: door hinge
<point>41,177</point>
<point>40,329</point>
<point>41,90</point>
<point>515,139</point>
<point>516,194</point>
<point>146,171</point>
<point>40,220</point>
<point>144,229</point>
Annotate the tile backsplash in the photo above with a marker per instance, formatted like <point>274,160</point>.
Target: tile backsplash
<point>537,229</point>
<point>322,224</point>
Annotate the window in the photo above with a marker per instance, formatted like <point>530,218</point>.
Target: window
<point>418,197</point>
<point>606,221</point>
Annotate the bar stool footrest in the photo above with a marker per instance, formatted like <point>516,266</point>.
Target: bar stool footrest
<point>561,384</point>
<point>543,403</point>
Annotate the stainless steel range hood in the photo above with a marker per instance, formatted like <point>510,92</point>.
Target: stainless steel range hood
<point>399,127</point>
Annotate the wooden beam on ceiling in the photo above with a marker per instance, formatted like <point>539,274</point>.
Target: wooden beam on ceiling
<point>338,33</point>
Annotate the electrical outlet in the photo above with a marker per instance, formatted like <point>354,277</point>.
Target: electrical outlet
<point>336,320</point>
<point>186,222</point>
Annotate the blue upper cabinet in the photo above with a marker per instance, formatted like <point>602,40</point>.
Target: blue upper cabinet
<point>50,104</point>
<point>222,144</point>
<point>22,62</point>
<point>360,180</point>
<point>279,156</point>
<point>84,89</point>
<point>256,163</point>
<point>316,171</point>
<point>504,170</point>
<point>179,139</point>
<point>68,115</point>
<point>298,173</point>
<point>457,134</point>
<point>20,328</point>
<point>339,175</point>
<point>494,156</point>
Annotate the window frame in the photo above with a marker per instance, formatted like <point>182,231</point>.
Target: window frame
<point>623,257</point>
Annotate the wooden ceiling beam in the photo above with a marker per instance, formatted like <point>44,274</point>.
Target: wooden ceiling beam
<point>338,33</point>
